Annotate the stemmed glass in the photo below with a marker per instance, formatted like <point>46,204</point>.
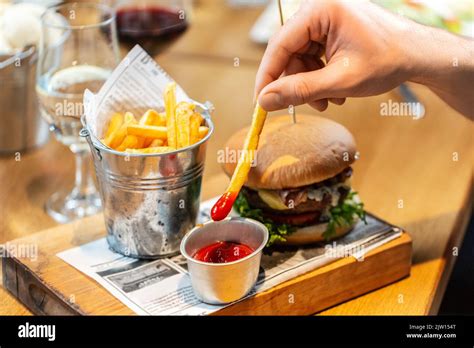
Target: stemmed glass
<point>78,50</point>
<point>153,24</point>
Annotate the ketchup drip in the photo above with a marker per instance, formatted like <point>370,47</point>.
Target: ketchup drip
<point>223,252</point>
<point>223,206</point>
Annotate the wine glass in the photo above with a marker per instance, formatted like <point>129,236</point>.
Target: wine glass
<point>153,24</point>
<point>78,50</point>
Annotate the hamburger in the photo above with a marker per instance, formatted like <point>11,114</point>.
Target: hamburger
<point>299,185</point>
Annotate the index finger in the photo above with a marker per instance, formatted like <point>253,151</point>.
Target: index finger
<point>295,36</point>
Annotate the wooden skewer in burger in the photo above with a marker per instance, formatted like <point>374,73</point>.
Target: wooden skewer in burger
<point>292,108</point>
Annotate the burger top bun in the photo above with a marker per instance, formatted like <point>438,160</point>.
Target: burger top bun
<point>292,155</point>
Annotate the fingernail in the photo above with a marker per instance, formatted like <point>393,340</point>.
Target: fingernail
<point>271,101</point>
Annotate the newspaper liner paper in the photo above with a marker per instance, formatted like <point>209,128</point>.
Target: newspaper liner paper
<point>167,290</point>
<point>136,85</point>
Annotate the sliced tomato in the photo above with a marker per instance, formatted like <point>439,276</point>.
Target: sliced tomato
<point>294,219</point>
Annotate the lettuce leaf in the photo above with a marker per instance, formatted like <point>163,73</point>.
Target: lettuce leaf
<point>277,232</point>
<point>345,214</point>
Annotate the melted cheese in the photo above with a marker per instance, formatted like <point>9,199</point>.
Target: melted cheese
<point>272,199</point>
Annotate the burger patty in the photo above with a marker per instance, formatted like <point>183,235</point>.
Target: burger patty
<point>302,210</point>
<point>307,206</point>
<point>302,219</point>
<point>296,196</point>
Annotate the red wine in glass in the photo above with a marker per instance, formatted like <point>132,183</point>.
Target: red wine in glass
<point>152,27</point>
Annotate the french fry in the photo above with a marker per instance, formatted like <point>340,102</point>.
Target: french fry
<point>223,206</point>
<point>160,119</point>
<point>156,143</point>
<point>136,142</point>
<point>184,111</point>
<point>155,132</point>
<point>179,126</point>
<point>147,142</point>
<point>157,149</point>
<point>114,124</point>
<point>202,132</point>
<point>119,135</point>
<point>130,141</point>
<point>150,117</point>
<point>250,146</point>
<point>195,122</point>
<point>185,106</point>
<point>170,108</point>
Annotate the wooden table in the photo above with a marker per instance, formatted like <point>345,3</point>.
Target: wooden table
<point>401,159</point>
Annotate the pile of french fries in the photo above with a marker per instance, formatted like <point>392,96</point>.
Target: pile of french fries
<point>179,126</point>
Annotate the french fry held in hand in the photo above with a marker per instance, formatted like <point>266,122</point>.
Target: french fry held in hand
<point>223,206</point>
<point>154,132</point>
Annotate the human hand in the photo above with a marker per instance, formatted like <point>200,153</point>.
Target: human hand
<point>367,50</point>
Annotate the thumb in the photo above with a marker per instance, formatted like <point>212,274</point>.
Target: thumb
<point>302,88</point>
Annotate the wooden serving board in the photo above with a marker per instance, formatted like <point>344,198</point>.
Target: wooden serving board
<point>49,286</point>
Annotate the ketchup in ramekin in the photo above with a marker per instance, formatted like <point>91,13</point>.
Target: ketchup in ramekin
<point>223,252</point>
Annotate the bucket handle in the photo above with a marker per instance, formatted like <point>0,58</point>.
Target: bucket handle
<point>84,133</point>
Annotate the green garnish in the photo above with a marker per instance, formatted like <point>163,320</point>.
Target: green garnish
<point>277,232</point>
<point>344,214</point>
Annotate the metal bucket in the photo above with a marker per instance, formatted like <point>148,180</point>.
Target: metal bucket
<point>21,126</point>
<point>150,201</point>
